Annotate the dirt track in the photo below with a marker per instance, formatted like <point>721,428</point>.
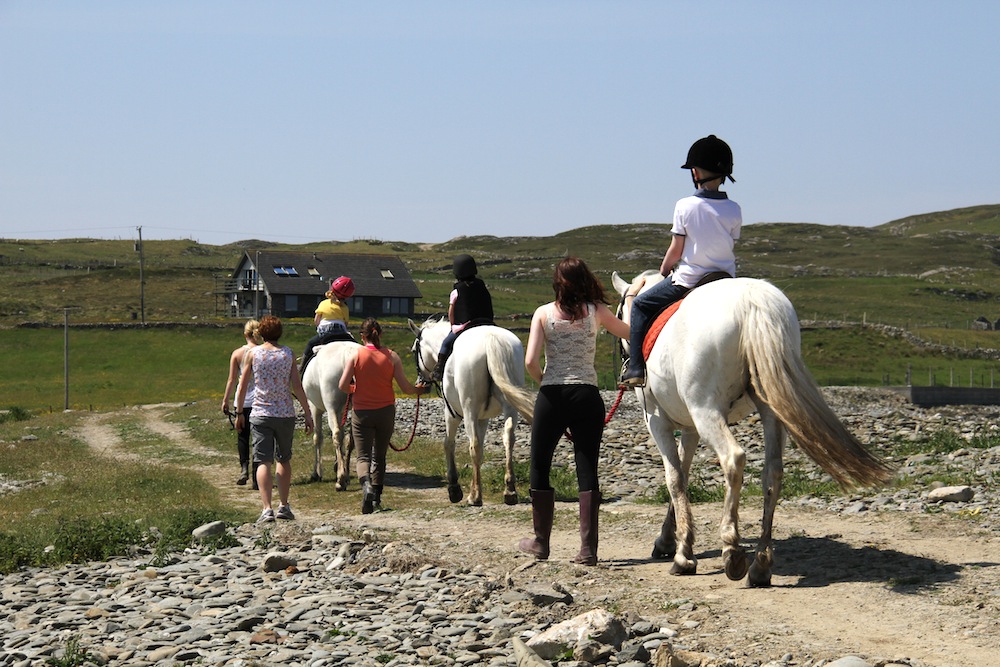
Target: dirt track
<point>892,586</point>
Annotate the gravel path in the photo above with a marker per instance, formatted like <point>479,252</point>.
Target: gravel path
<point>445,587</point>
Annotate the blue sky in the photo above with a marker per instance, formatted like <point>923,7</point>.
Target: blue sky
<point>423,121</point>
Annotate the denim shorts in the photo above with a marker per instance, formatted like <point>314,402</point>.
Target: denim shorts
<point>271,438</point>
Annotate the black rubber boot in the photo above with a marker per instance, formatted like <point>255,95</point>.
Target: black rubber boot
<point>244,473</point>
<point>377,503</point>
<point>590,504</point>
<point>542,510</point>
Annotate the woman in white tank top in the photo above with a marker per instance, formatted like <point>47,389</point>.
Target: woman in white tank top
<point>568,399</point>
<point>237,359</point>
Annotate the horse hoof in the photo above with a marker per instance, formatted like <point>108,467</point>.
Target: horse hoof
<point>340,487</point>
<point>315,478</point>
<point>760,572</point>
<point>689,568</point>
<point>476,503</point>
<point>759,579</point>
<point>662,550</point>
<point>455,493</point>
<point>510,498</point>
<point>735,564</point>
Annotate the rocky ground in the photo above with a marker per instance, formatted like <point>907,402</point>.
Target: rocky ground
<point>890,577</point>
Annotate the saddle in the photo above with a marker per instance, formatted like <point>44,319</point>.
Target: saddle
<point>661,320</point>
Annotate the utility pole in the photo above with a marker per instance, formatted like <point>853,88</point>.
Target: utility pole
<point>142,280</point>
<point>66,310</point>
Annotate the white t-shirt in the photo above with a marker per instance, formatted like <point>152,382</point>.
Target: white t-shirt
<point>710,226</point>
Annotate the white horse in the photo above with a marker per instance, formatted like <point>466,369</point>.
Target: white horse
<point>732,347</point>
<point>320,382</point>
<point>483,378</point>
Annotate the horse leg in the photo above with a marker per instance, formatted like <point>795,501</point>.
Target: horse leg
<point>713,428</point>
<point>454,488</point>
<point>345,446</point>
<point>317,417</point>
<point>510,490</point>
<point>477,434</point>
<point>774,443</point>
<point>662,430</point>
<point>665,546</point>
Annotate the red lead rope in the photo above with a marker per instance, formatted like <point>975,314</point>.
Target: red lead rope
<point>416,416</point>
<point>611,412</point>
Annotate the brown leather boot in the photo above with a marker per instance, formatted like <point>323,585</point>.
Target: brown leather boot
<point>590,504</point>
<point>542,509</point>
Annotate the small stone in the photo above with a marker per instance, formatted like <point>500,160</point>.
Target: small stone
<point>209,530</point>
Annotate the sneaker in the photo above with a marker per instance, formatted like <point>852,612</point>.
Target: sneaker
<point>634,377</point>
<point>266,515</point>
<point>285,512</point>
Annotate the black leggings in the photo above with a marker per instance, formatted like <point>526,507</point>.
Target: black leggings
<point>578,408</point>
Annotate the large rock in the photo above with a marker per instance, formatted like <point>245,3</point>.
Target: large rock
<point>597,625</point>
<point>951,494</point>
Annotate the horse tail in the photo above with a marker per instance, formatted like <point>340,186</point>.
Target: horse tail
<point>505,362</point>
<point>770,342</point>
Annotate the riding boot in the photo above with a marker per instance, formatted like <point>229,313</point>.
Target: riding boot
<point>377,502</point>
<point>542,510</point>
<point>590,503</point>
<point>437,375</point>
<point>244,473</point>
<point>368,496</point>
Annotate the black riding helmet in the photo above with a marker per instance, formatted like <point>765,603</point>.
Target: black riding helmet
<point>711,154</point>
<point>464,267</point>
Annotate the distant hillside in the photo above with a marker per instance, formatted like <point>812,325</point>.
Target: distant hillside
<point>939,268</point>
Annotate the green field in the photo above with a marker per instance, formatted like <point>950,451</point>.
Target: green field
<point>111,368</point>
<point>931,275</point>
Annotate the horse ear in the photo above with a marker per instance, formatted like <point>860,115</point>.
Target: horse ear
<point>413,327</point>
<point>619,283</point>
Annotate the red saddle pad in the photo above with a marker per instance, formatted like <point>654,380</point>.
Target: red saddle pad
<point>657,327</point>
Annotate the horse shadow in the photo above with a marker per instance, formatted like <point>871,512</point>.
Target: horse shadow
<point>412,480</point>
<point>816,562</point>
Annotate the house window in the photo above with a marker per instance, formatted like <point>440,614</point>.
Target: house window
<point>313,271</point>
<point>285,271</point>
<point>291,303</point>
<point>393,305</point>
<point>249,281</point>
<point>387,274</point>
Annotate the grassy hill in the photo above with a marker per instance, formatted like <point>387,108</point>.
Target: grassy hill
<point>932,274</point>
<point>939,268</point>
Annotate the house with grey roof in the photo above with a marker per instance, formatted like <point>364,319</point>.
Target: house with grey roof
<point>292,284</point>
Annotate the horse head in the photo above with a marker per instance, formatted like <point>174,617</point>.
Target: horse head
<point>627,290</point>
<point>427,343</point>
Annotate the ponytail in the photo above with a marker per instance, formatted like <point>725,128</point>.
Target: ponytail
<point>371,331</point>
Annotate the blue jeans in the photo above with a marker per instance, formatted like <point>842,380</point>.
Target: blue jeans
<point>645,308</point>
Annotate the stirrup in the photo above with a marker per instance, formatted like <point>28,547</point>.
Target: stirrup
<point>634,378</point>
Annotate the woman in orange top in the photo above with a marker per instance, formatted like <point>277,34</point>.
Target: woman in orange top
<point>372,370</point>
